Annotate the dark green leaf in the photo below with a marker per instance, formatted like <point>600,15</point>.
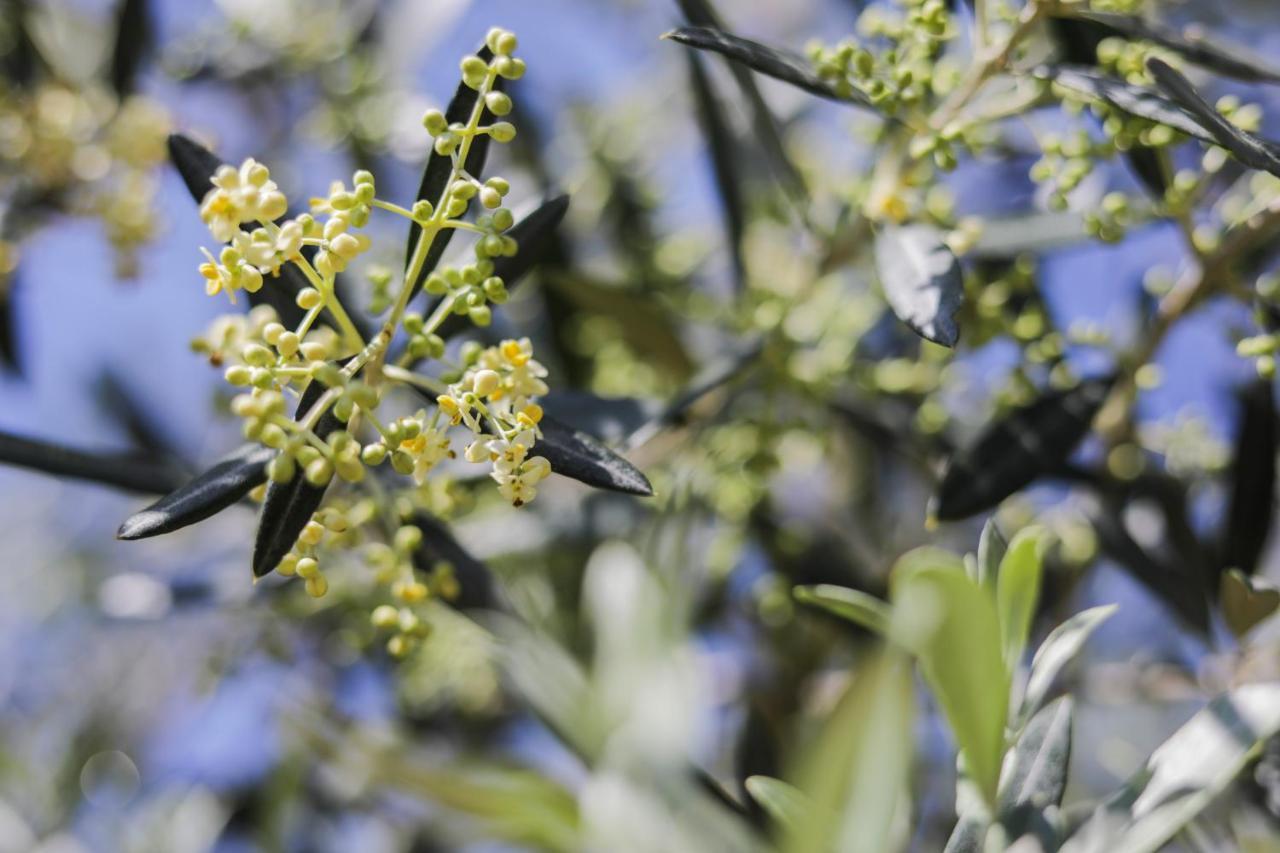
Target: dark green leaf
<point>1230,60</point>
<point>579,456</point>
<point>208,494</point>
<point>132,472</point>
<point>475,581</point>
<point>9,349</point>
<point>289,506</point>
<point>197,165</point>
<point>133,42</point>
<point>922,281</point>
<point>723,148</point>
<point>612,419</point>
<point>1247,148</point>
<point>771,61</point>
<point>699,13</point>
<point>1126,97</point>
<point>21,60</point>
<point>533,238</point>
<point>1252,506</point>
<point>1018,448</point>
<point>439,168</point>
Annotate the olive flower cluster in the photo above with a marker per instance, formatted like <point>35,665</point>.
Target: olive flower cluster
<point>317,390</point>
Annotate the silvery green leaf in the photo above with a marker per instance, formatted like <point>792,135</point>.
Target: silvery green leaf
<point>132,472</point>
<point>922,280</point>
<point>1058,649</point>
<point>582,457</point>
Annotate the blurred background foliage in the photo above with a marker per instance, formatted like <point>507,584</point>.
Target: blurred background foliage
<point>636,660</point>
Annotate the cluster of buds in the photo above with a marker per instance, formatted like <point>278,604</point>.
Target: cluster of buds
<point>900,76</point>
<point>342,431</point>
<point>92,150</point>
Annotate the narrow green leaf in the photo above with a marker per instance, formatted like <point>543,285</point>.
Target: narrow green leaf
<point>992,546</point>
<point>1232,60</point>
<point>1035,770</point>
<point>1184,775</point>
<point>1251,508</point>
<point>1129,98</point>
<point>439,168</point>
<point>1063,643</point>
<point>700,13</point>
<point>725,156</point>
<point>289,506</point>
<point>858,607</point>
<point>226,482</point>
<point>1018,592</point>
<point>1013,451</point>
<point>134,40</point>
<point>579,456</point>
<point>1254,152</point>
<point>785,804</point>
<point>476,589</point>
<point>132,472</point>
<point>950,624</point>
<point>856,773</point>
<point>922,281</point>
<point>771,61</point>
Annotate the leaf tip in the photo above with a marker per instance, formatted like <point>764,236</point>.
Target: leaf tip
<point>140,525</point>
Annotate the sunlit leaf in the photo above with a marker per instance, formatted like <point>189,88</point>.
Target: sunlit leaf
<point>226,482</point>
<point>1018,591</point>
<point>922,280</point>
<point>1058,649</point>
<point>1184,775</point>
<point>785,804</point>
<point>1252,505</point>
<point>1246,603</point>
<point>856,606</point>
<point>992,546</point>
<point>950,624</point>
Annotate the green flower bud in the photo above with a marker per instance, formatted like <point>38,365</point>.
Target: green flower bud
<point>281,469</point>
<point>319,472</point>
<point>435,122</point>
<point>499,103</point>
<point>373,454</point>
<point>502,131</point>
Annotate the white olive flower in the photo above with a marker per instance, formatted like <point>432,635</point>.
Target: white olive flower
<point>241,195</point>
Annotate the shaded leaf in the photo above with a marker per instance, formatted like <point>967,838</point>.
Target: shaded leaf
<point>9,348</point>
<point>856,606</point>
<point>1231,60</point>
<point>439,168</point>
<point>475,580</point>
<point>612,419</point>
<point>197,165</point>
<point>922,281</point>
<point>1018,592</point>
<point>699,13</point>
<point>228,481</point>
<point>533,238</point>
<point>1247,148</point>
<point>1184,775</point>
<point>129,413</point>
<point>1246,603</point>
<point>133,42</point>
<point>1035,775</point>
<point>723,148</point>
<point>771,61</point>
<point>1013,451</point>
<point>950,624</point>
<point>785,804</point>
<point>1035,771</point>
<point>1252,505</point>
<point>579,456</point>
<point>1063,643</point>
<point>132,472</point>
<point>289,506</point>
<point>969,835</point>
